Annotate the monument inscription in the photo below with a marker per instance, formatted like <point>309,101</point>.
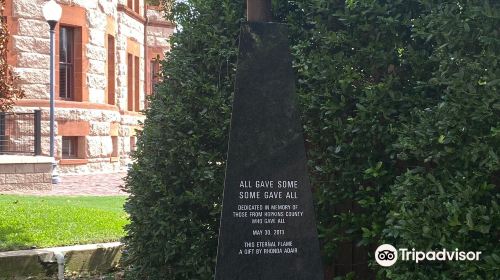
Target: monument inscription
<point>268,219</point>
<point>268,230</point>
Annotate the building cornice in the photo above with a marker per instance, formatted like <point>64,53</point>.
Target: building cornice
<point>163,24</point>
<point>131,13</point>
<point>156,22</point>
<point>154,7</point>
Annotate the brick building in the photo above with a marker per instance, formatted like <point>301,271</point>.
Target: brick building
<point>106,58</point>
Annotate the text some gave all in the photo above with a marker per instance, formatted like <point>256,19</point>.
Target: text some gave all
<point>267,195</point>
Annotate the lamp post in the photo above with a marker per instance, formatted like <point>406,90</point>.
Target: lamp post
<point>52,14</point>
<point>259,11</point>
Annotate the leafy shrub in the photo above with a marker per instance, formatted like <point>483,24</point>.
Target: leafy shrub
<point>176,182</point>
<point>401,110</point>
<point>449,193</point>
<point>401,113</point>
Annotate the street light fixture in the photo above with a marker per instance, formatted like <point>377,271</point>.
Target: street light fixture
<point>52,14</point>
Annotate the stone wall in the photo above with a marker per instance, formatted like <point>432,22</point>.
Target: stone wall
<point>20,173</point>
<point>42,263</point>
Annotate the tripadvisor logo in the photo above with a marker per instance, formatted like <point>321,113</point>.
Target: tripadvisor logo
<point>386,255</point>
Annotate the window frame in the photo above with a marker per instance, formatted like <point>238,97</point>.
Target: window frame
<point>134,5</point>
<point>130,82</point>
<point>154,74</point>
<point>115,147</point>
<point>133,144</point>
<point>133,83</point>
<point>111,69</point>
<point>73,147</point>
<point>137,88</point>
<point>68,63</point>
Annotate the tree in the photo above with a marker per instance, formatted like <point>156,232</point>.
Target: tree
<point>8,91</point>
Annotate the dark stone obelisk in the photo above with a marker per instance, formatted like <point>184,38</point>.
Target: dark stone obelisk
<point>268,229</point>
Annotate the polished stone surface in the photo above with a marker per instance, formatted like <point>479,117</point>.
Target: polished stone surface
<point>268,229</point>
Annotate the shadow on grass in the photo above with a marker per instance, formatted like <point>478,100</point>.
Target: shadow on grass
<point>14,238</point>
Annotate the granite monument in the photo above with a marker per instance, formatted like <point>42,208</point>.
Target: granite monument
<point>268,229</point>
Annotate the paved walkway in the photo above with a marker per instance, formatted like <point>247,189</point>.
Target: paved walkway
<point>94,184</point>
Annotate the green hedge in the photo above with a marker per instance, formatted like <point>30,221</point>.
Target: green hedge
<point>177,181</point>
<point>401,113</point>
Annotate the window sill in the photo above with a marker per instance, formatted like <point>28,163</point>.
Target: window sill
<point>132,113</point>
<point>73,161</point>
<point>66,104</point>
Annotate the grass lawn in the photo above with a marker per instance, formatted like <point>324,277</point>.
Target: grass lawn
<point>48,221</point>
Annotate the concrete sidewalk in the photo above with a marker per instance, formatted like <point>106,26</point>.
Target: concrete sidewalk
<point>104,184</point>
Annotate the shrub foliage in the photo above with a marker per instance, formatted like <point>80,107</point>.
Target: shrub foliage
<point>401,111</point>
<point>176,182</point>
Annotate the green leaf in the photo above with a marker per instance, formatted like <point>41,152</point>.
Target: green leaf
<point>470,222</point>
<point>441,139</point>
